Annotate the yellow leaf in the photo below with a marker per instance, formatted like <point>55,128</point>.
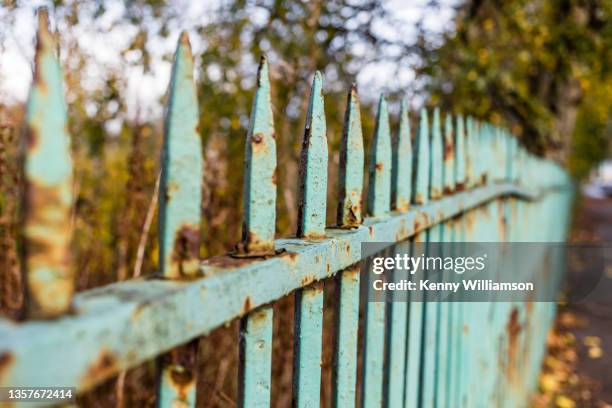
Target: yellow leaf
<point>592,341</point>
<point>595,352</point>
<point>564,402</point>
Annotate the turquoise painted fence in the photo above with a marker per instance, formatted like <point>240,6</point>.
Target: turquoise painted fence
<point>464,181</point>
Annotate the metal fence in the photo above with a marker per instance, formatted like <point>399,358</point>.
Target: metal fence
<point>471,182</point>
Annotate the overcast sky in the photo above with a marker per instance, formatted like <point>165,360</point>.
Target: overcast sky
<point>144,90</point>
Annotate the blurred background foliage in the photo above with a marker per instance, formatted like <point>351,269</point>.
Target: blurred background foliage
<point>539,67</point>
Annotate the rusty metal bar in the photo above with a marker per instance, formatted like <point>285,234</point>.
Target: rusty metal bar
<point>379,205</point>
<point>350,183</point>
<point>180,195</point>
<point>448,173</point>
<point>379,189</point>
<point>346,318</point>
<point>402,162</point>
<point>346,325</point>
<point>308,333</point>
<point>421,187</point>
<point>255,359</point>
<point>47,177</point>
<point>260,173</point>
<point>259,223</point>
<point>460,179</point>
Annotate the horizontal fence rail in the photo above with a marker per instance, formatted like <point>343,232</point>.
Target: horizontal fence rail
<point>457,180</point>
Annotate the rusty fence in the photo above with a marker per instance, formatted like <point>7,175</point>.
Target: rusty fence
<point>461,181</point>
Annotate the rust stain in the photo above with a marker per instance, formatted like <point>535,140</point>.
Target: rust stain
<point>460,186</point>
<point>227,261</point>
<point>252,246</point>
<point>307,280</point>
<point>247,305</point>
<point>182,381</point>
<point>101,368</point>
<point>379,166</point>
<point>371,231</point>
<point>448,190</point>
<point>6,360</point>
<point>186,250</point>
<point>449,151</point>
<point>513,330</point>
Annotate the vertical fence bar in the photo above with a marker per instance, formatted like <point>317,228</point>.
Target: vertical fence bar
<point>179,214</point>
<point>379,190</point>
<point>432,312</point>
<point>47,177</point>
<point>346,318</point>
<point>448,173</point>
<point>259,218</point>
<point>421,187</point>
<point>402,162</point>
<point>379,200</point>
<point>416,308</point>
<point>255,359</point>
<point>182,167</point>
<point>460,154</point>
<point>350,181</point>
<point>398,306</point>
<point>448,309</point>
<point>308,334</point>
<point>436,166</point>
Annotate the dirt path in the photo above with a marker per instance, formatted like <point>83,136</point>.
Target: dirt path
<point>578,368</point>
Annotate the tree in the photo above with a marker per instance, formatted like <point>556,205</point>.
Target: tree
<point>531,65</point>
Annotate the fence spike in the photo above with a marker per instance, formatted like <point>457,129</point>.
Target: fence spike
<point>351,164</point>
<point>437,164</point>
<point>421,188</point>
<point>379,189</point>
<point>469,143</point>
<point>313,167</point>
<point>460,154</point>
<point>182,171</point>
<point>402,162</point>
<point>47,176</point>
<point>449,156</point>
<point>259,218</point>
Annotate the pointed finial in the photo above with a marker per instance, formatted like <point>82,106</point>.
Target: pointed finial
<point>379,189</point>
<point>259,212</point>
<point>421,191</point>
<point>47,172</point>
<point>313,167</point>
<point>182,171</point>
<point>402,162</point>
<point>351,164</point>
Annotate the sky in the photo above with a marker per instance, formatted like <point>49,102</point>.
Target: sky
<point>144,90</point>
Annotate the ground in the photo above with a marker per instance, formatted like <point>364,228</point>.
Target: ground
<point>578,368</point>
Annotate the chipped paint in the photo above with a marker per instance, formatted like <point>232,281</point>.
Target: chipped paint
<point>47,178</point>
<point>436,165</point>
<point>379,188</point>
<point>402,163</point>
<point>422,166</point>
<point>259,216</point>
<point>350,181</point>
<point>313,167</point>
<point>182,172</point>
